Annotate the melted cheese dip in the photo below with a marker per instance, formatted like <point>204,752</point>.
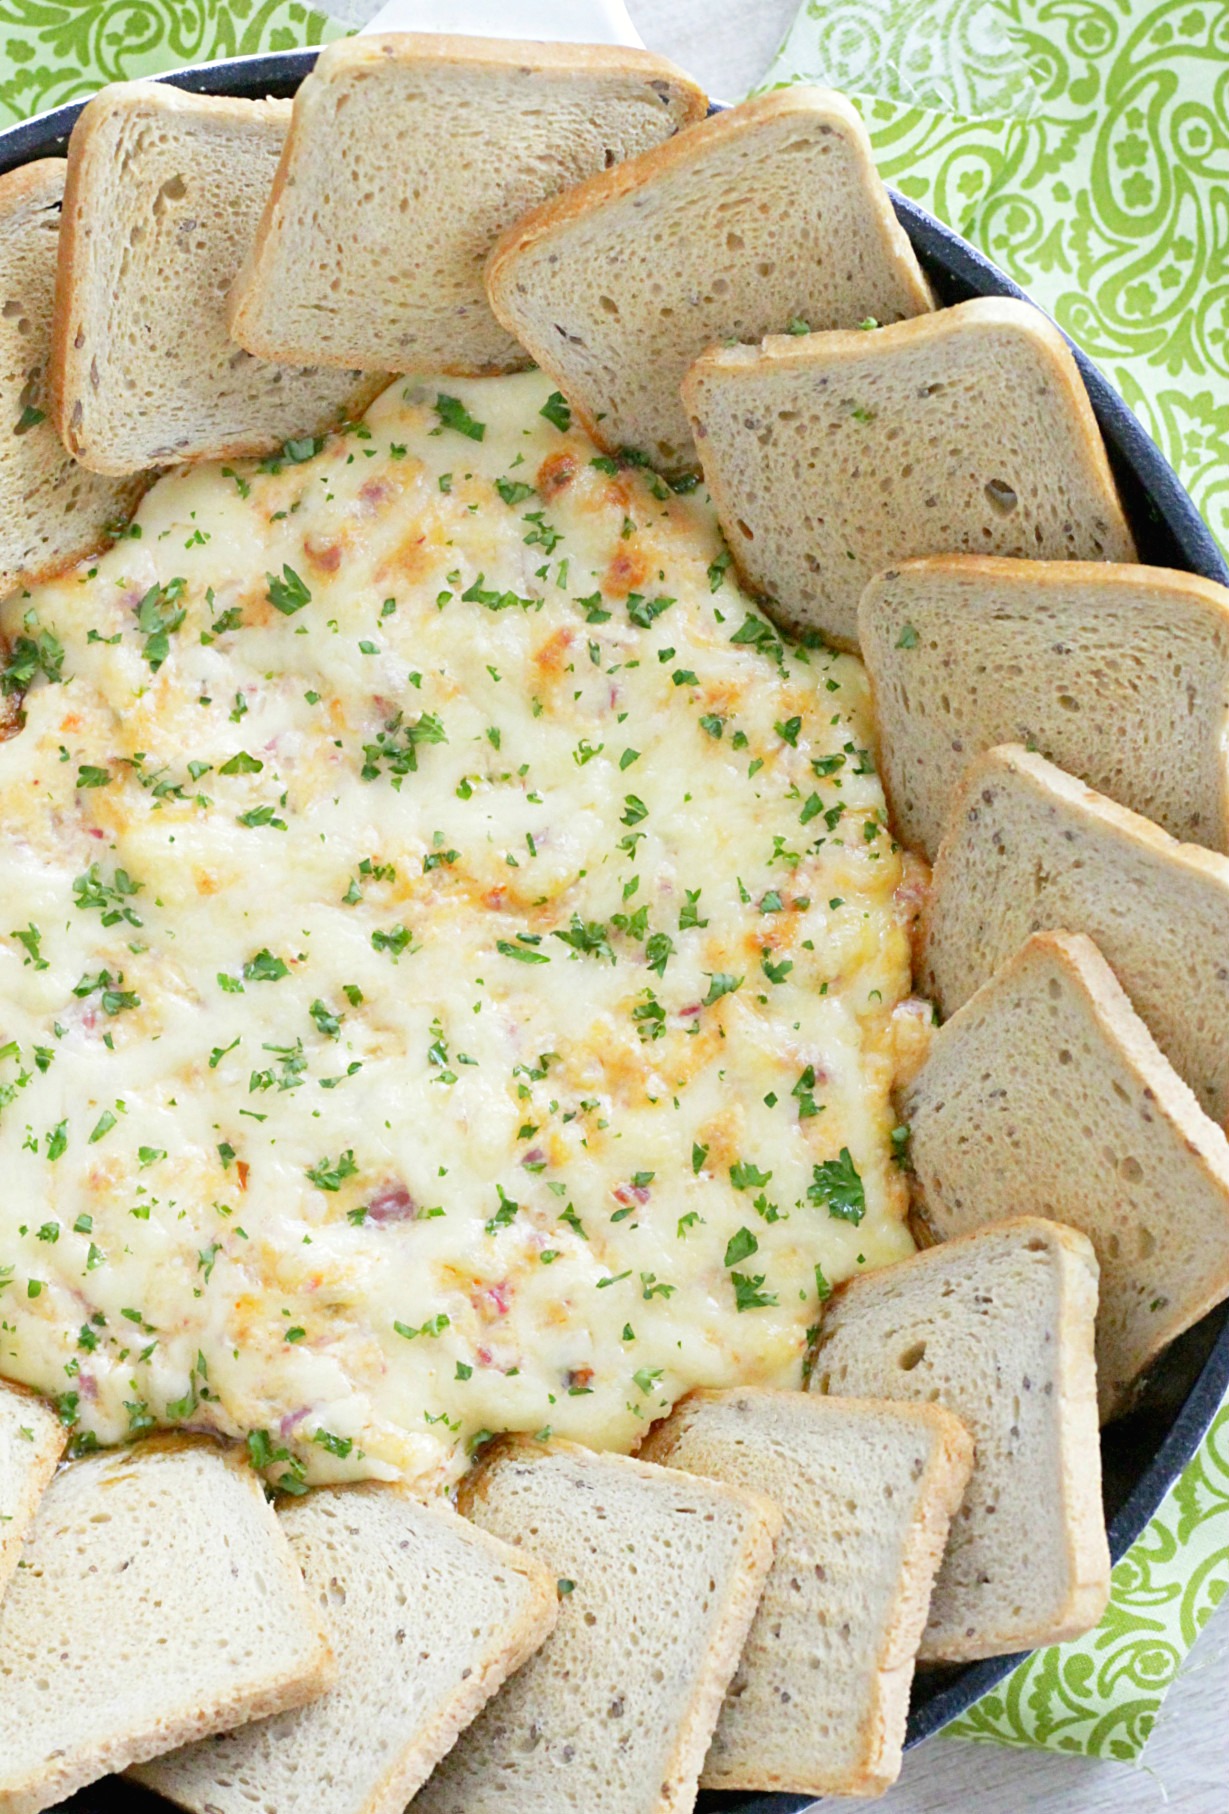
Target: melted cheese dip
<point>448,958</point>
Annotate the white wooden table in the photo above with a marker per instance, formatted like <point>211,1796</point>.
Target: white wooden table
<point>726,45</point>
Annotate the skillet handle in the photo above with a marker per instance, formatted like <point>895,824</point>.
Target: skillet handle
<point>570,21</point>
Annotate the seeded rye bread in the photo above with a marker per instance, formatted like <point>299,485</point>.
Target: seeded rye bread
<point>52,512</point>
<point>833,456</point>
<point>407,156</point>
<point>1119,674</point>
<point>427,1616</point>
<point>157,1601</point>
<point>1087,1124</point>
<point>998,1327</point>
<point>768,212</point>
<point>1031,849</point>
<point>163,195</point>
<point>32,1440</point>
<point>659,1575</point>
<point>819,1700</point>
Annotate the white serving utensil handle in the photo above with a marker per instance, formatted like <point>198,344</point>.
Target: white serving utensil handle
<point>571,21</point>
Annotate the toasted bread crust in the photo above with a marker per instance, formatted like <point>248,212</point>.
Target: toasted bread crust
<point>352,59</point>
<point>1078,1482</point>
<point>25,1410</point>
<point>785,356</point>
<point>27,193</point>
<point>939,1492</point>
<point>761,1522</point>
<point>1158,1085</point>
<point>1140,837</point>
<point>984,577</point>
<point>82,250</point>
<point>296,1678</point>
<point>693,145</point>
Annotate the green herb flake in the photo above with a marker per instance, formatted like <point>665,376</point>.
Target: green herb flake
<point>557,411</point>
<point>837,1184</point>
<point>287,594</point>
<point>747,1293</point>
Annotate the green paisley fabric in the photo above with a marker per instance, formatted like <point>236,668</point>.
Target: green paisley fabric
<point>1100,1695</point>
<point>52,51</point>
<point>1084,144</point>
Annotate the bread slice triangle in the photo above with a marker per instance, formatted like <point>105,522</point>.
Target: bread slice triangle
<point>1047,1095</point>
<point>32,1440</point>
<point>769,213</point>
<point>163,196</point>
<point>820,1697</point>
<point>659,1576</point>
<point>52,512</point>
<point>1119,674</point>
<point>1031,849</point>
<point>409,153</point>
<point>157,1601</point>
<point>427,1616</point>
<point>998,1327</point>
<point>833,456</point>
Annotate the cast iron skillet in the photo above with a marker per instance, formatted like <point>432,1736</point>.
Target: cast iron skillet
<point>1141,1454</point>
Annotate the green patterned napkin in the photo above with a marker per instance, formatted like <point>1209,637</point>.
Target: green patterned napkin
<point>52,51</point>
<point>1083,144</point>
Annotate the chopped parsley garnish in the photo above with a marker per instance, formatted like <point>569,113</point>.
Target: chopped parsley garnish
<point>718,569</point>
<point>31,941</point>
<point>258,816</point>
<point>329,1175</point>
<point>747,1293</point>
<point>587,938</point>
<point>643,611</point>
<point>158,614</point>
<point>336,1445</point>
<point>774,971</point>
<point>265,968</point>
<point>92,893</point>
<point>287,594</point>
<point>837,1184</point>
<point>497,601</point>
<point>326,1021</point>
<point>434,1325</point>
<point>513,491</point>
<point>505,1214</point>
<point>720,982</point>
<point>522,953</point>
<point>689,912</point>
<point>658,950</point>
<point>396,746</point>
<point>30,656</point>
<point>242,764</point>
<point>453,414</point>
<point>557,410</point>
<point>741,1246</point>
<point>801,1091</point>
<point>392,940</point>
